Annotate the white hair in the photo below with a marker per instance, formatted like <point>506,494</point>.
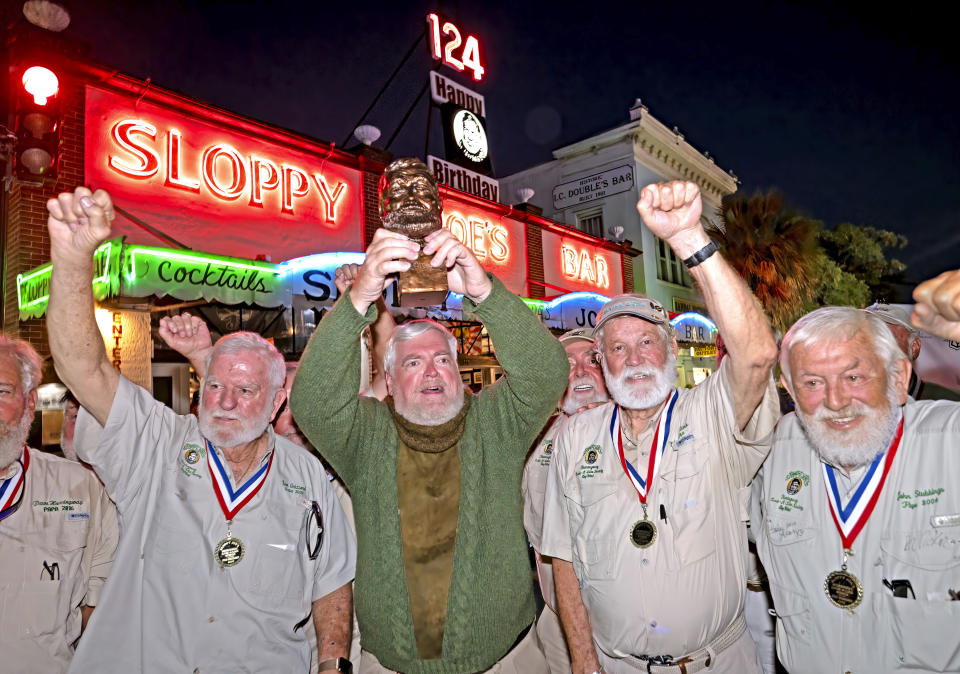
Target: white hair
<point>410,330</point>
<point>834,324</point>
<point>27,359</point>
<point>237,342</point>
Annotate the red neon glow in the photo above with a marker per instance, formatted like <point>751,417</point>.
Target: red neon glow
<point>433,21</point>
<point>580,265</point>
<point>40,83</point>
<point>147,158</point>
<point>225,173</point>
<point>487,240</point>
<point>469,57</point>
<point>236,167</point>
<point>219,187</point>
<point>257,181</point>
<point>173,178</point>
<point>291,192</point>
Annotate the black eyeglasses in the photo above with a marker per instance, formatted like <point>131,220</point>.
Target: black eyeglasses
<point>313,526</point>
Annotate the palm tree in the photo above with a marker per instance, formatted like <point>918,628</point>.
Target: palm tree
<point>775,250</point>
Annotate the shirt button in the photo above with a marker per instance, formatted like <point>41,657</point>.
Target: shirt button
<point>645,561</point>
<point>653,623</point>
<point>210,619</point>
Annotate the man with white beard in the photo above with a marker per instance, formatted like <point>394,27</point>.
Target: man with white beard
<point>645,512</point>
<point>71,408</point>
<point>585,389</point>
<point>232,536</point>
<point>857,511</point>
<point>434,474</point>
<point>58,532</point>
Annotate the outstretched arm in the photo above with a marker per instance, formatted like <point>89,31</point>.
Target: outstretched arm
<point>189,336</point>
<point>672,212</point>
<point>938,305</point>
<point>78,223</point>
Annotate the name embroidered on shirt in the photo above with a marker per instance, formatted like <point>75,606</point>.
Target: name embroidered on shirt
<point>296,489</point>
<point>53,505</point>
<point>919,497</point>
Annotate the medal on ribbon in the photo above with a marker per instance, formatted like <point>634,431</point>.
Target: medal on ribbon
<point>229,551</point>
<point>844,589</point>
<point>12,488</point>
<point>644,532</point>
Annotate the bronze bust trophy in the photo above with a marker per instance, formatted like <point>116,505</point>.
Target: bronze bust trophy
<point>410,205</point>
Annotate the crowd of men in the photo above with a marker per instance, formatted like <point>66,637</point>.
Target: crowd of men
<point>214,542</point>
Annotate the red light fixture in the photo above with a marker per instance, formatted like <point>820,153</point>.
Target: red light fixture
<point>41,83</point>
<point>38,118</point>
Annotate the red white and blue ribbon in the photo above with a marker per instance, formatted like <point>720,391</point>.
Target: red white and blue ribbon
<point>11,489</point>
<point>656,448</point>
<point>850,517</point>
<point>231,502</point>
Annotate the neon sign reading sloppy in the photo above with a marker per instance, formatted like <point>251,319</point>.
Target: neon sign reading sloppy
<point>580,266</point>
<point>485,239</point>
<point>223,171</point>
<point>470,57</point>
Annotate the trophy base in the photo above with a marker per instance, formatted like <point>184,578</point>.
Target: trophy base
<point>422,285</point>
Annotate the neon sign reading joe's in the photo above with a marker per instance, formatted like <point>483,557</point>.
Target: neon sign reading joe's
<point>219,170</point>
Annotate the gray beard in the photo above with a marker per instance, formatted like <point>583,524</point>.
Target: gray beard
<point>250,431</point>
<point>649,395</point>
<point>13,438</point>
<point>572,404</point>
<point>856,448</point>
<point>424,417</point>
<point>68,448</point>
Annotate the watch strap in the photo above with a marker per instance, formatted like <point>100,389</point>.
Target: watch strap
<point>701,255</point>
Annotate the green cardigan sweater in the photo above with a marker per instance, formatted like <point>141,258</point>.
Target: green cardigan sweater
<point>491,597</point>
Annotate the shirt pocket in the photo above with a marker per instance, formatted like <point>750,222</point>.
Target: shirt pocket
<point>599,514</point>
<point>923,630</point>
<point>43,602</point>
<point>693,513</point>
<point>794,621</point>
<point>279,563</point>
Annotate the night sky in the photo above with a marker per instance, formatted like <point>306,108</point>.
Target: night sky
<point>850,112</point>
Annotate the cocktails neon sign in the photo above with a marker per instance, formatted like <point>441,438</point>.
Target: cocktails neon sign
<point>220,169</point>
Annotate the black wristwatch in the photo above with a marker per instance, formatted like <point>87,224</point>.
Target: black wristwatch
<point>336,665</point>
<point>701,255</point>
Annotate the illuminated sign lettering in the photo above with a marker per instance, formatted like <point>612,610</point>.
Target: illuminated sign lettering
<point>215,182</point>
<point>580,265</point>
<point>487,240</point>
<point>573,263</point>
<point>223,172</point>
<point>444,49</point>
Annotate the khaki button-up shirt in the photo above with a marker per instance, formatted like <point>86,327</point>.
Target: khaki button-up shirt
<point>683,591</point>
<point>534,488</point>
<point>913,534</point>
<point>169,607</point>
<point>55,553</point>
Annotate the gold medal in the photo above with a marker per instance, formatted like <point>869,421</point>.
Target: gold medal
<point>229,551</point>
<point>843,589</point>
<point>643,533</point>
